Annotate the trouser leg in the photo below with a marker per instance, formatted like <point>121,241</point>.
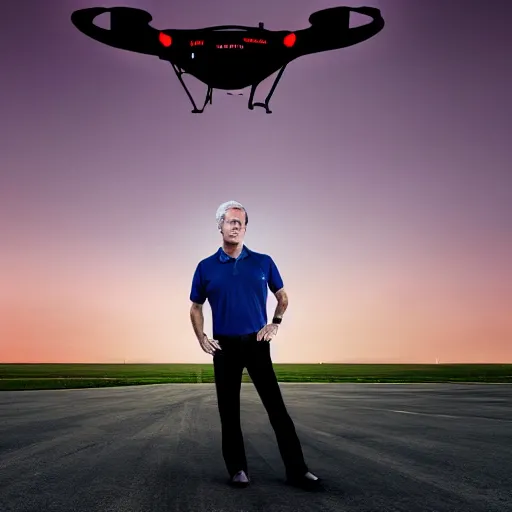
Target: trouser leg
<point>259,367</point>
<point>228,368</point>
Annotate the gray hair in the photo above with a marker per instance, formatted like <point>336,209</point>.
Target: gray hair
<point>224,207</point>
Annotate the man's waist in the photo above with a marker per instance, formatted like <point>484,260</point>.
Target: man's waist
<point>235,337</point>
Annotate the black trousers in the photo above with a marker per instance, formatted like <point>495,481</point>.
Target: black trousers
<point>239,352</point>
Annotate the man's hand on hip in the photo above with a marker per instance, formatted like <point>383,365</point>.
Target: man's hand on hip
<point>267,332</point>
<point>209,345</point>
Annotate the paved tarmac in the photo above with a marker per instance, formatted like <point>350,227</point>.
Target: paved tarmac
<point>378,447</point>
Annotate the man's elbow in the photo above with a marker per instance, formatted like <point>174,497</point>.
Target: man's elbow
<point>282,296</point>
<point>196,307</point>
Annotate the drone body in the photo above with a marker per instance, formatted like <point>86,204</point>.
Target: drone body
<point>228,57</point>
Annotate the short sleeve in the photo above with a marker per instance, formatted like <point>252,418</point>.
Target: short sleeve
<point>198,291</point>
<point>275,282</point>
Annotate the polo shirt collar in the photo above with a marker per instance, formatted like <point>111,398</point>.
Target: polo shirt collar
<point>224,258</point>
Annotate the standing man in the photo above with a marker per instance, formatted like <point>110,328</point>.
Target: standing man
<point>235,280</point>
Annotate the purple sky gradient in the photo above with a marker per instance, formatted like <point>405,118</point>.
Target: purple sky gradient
<point>381,185</point>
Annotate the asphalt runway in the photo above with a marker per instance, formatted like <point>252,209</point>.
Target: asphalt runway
<point>378,447</point>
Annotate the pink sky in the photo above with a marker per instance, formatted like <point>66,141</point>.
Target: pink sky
<point>380,186</point>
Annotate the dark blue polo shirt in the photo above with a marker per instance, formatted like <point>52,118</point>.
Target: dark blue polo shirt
<point>236,290</point>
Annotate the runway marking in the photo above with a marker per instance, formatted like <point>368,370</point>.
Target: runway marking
<point>424,414</point>
<point>433,414</point>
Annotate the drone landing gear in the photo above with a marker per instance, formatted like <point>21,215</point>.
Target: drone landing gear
<point>208,99</point>
<point>267,99</point>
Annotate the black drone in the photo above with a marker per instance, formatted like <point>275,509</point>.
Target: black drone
<point>228,57</point>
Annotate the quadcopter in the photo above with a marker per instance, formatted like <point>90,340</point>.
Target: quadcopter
<point>228,57</point>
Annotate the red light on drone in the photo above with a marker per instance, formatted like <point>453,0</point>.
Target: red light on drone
<point>289,40</point>
<point>165,39</point>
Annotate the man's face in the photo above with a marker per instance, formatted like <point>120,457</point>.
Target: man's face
<point>233,227</point>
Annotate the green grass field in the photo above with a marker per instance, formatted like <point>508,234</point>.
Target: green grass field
<point>60,376</point>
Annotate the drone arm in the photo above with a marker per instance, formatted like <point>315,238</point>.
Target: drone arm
<point>130,29</point>
<point>331,30</point>
<point>359,34</point>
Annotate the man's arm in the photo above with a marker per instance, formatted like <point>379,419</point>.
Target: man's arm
<point>197,318</point>
<point>282,303</point>
<point>196,315</point>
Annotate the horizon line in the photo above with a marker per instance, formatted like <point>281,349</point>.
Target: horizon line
<point>274,363</point>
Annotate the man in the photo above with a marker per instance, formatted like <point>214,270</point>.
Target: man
<point>235,280</point>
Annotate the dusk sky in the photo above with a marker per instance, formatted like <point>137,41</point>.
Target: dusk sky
<point>381,185</point>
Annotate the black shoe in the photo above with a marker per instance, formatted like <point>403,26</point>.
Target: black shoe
<point>308,482</point>
<point>240,479</point>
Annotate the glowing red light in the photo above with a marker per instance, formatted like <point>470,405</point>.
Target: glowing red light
<point>165,39</point>
<point>289,40</point>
